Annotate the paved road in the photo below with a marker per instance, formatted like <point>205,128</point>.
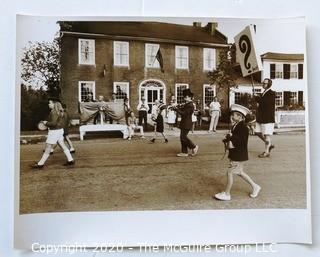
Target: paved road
<point>116,174</point>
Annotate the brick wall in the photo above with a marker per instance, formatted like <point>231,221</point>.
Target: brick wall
<point>72,72</point>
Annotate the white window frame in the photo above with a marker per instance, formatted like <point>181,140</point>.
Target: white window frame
<point>116,83</point>
<point>204,91</point>
<point>177,58</point>
<point>92,45</point>
<point>278,73</point>
<point>294,72</point>
<point>93,89</point>
<point>176,90</point>
<point>155,63</point>
<point>280,98</point>
<point>212,54</point>
<point>295,98</point>
<point>117,45</point>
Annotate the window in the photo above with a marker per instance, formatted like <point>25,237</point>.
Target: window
<point>209,92</point>
<point>121,53</point>
<point>178,92</point>
<point>121,89</point>
<point>237,97</point>
<point>279,99</point>
<point>86,88</point>
<point>87,51</point>
<point>209,59</point>
<point>151,52</point>
<point>293,71</point>
<point>182,57</point>
<point>279,71</point>
<point>293,98</point>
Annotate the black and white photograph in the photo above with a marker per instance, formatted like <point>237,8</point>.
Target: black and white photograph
<point>176,114</point>
<point>142,116</point>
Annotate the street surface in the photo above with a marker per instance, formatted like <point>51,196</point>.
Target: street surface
<point>116,174</point>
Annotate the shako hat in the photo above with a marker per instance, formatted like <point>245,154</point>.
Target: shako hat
<point>239,108</point>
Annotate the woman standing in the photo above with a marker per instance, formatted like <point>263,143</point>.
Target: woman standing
<point>55,134</point>
<point>171,115</point>
<point>157,116</point>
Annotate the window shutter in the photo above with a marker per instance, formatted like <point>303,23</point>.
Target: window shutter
<point>300,98</point>
<point>300,71</point>
<point>272,70</point>
<point>286,98</point>
<point>286,71</point>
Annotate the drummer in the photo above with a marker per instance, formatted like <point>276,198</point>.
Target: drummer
<point>55,134</point>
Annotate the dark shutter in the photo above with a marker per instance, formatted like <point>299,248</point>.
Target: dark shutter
<point>300,98</point>
<point>286,98</point>
<point>272,70</point>
<point>300,71</point>
<point>286,71</point>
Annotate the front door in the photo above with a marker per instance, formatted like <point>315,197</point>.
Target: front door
<point>153,94</point>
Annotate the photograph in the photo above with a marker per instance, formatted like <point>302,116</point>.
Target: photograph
<point>156,113</point>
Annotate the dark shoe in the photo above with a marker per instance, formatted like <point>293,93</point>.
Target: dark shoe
<point>36,166</point>
<point>166,140</point>
<point>69,163</point>
<point>152,140</point>
<point>271,147</point>
<point>72,151</point>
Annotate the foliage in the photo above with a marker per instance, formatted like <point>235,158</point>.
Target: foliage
<point>34,107</point>
<point>40,66</point>
<point>224,75</point>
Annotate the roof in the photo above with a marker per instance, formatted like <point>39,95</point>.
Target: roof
<point>146,30</point>
<point>283,56</point>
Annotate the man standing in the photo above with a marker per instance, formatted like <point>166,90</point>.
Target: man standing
<point>214,111</point>
<point>265,117</point>
<point>143,109</point>
<point>186,125</point>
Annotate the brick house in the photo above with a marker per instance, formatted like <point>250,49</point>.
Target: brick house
<point>138,59</point>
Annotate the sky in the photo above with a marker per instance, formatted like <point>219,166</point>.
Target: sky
<point>276,35</point>
<point>272,35</point>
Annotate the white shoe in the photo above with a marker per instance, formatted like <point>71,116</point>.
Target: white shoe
<point>182,155</point>
<point>195,151</point>
<point>223,196</point>
<point>256,191</point>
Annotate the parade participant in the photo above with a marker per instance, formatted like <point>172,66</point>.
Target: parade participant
<point>158,110</point>
<point>66,122</point>
<point>55,134</point>
<point>100,115</point>
<point>171,115</point>
<point>143,109</point>
<point>265,117</point>
<point>186,112</point>
<point>215,113</point>
<point>237,141</point>
<point>133,125</point>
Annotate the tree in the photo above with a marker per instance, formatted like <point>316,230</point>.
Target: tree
<point>224,76</point>
<point>34,107</point>
<point>40,66</point>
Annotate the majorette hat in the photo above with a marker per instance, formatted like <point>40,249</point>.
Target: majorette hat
<point>239,108</point>
<point>187,92</point>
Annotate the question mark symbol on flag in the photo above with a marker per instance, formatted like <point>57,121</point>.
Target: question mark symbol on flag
<point>245,48</point>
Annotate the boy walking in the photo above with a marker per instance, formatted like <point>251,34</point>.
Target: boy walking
<point>237,141</point>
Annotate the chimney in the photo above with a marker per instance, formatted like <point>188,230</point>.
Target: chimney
<point>212,26</point>
<point>197,24</point>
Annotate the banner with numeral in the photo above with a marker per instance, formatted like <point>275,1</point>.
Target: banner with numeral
<point>246,52</point>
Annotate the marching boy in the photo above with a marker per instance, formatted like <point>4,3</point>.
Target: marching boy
<point>237,141</point>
